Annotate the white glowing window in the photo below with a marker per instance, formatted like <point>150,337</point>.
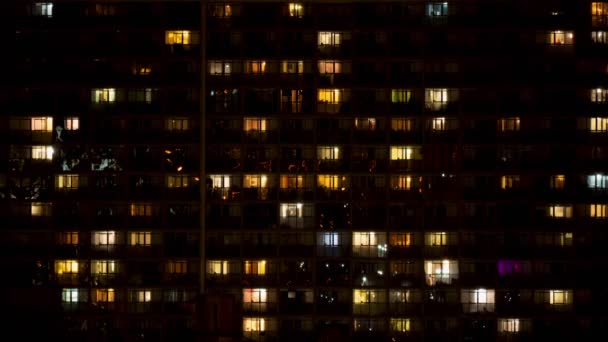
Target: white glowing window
<point>400,324</point>
<point>401,95</point>
<point>254,324</point>
<point>40,209</point>
<point>179,37</point>
<point>600,37</point>
<point>330,96</point>
<point>143,296</point>
<point>104,295</point>
<point>66,267</point>
<point>254,124</point>
<point>103,238</point>
<point>105,95</point>
<point>140,238</point>
<point>220,68</point>
<point>597,181</point>
<point>560,211</point>
<point>42,152</point>
<point>508,124</point>
<point>69,182</point>
<point>438,124</point>
<point>292,67</point>
<point>43,9</point>
<point>291,210</point>
<point>296,10</point>
<point>436,95</point>
<point>557,38</point>
<point>599,95</point>
<point>598,210</point>
<point>43,124</point>
<point>330,239</point>
<point>508,325</point>
<point>103,267</point>
<point>330,38</point>
<point>328,152</point>
<point>255,295</point>
<point>365,239</point>
<point>436,239</point>
<point>437,9</point>
<point>71,123</point>
<point>405,153</point>
<point>217,267</point>
<point>598,124</point>
<point>255,267</point>
<point>69,295</point>
<point>220,181</point>
<point>440,271</point>
<point>255,67</point>
<point>560,297</point>
<point>330,67</point>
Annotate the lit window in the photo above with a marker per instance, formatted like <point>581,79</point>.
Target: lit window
<point>557,38</point>
<point>217,267</point>
<point>436,239</point>
<point>509,182</point>
<point>66,266</point>
<point>330,96</point>
<point>598,124</point>
<point>71,123</point>
<point>366,296</point>
<point>557,182</point>
<point>564,239</point>
<point>69,238</point>
<point>291,210</point>
<point>478,300</point>
<point>40,209</point>
<point>69,295</point>
<point>599,37</point>
<point>332,182</point>
<point>404,182</point>
<point>254,324</point>
<point>599,95</point>
<point>402,124</point>
<point>401,95</point>
<point>560,211</point>
<point>255,67</point>
<point>140,239</point>
<point>369,244</point>
<point>103,267</point>
<point>105,95</point>
<point>560,297</point>
<point>400,325</point>
<point>255,267</point>
<point>292,67</point>
<point>598,210</point>
<point>220,68</point>
<point>365,124</point>
<point>437,9</point>
<point>221,10</point>
<point>405,153</point>
<point>599,13</point>
<point>328,152</point>
<point>291,182</point>
<point>329,38</point>
<point>508,325</point>
<point>400,239</point>
<point>44,124</point>
<point>330,67</point>
<point>179,37</point>
<point>436,96</point>
<point>508,124</point>
<point>42,152</point>
<point>597,181</point>
<point>103,238</point>
<point>220,181</point>
<point>141,69</point>
<point>330,239</point>
<point>141,95</point>
<point>178,181</point>
<point>177,124</point>
<point>143,296</point>
<point>296,10</point>
<point>43,9</point>
<point>255,295</point>
<point>67,182</point>
<point>438,124</point>
<point>104,295</point>
<point>251,181</point>
<point>440,271</point>
<point>254,124</point>
<point>177,266</point>
<point>140,209</point>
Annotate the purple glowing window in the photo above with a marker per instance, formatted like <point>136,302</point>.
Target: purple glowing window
<point>509,267</point>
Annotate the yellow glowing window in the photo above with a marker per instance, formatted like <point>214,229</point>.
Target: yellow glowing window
<point>401,95</point>
<point>329,181</point>
<point>565,239</point>
<point>177,266</point>
<point>254,124</point>
<point>69,238</point>
<point>330,96</point>
<point>558,182</point>
<point>292,182</point>
<point>72,123</point>
<point>599,95</point>
<point>141,209</point>
<point>557,38</point>
<point>255,295</point>
<point>598,124</point>
<point>178,181</point>
<point>508,124</point>
<point>103,266</point>
<point>438,124</point>
<point>440,271</point>
<point>401,239</point>
<point>104,295</point>
<point>255,181</point>
<point>366,296</point>
<point>436,95</point>
<point>43,152</point>
<point>400,324</point>
<point>68,182</point>
<point>141,238</point>
<point>330,38</point>
<point>103,238</point>
<point>66,266</point>
<point>508,182</point>
<point>217,267</point>
<point>255,67</point>
<point>402,182</point>
<point>436,239</point>
<point>365,239</point>
<point>560,211</point>
<point>178,124</point>
<point>330,67</point>
<point>42,124</point>
<point>599,8</point>
<point>180,37</point>
<point>296,10</point>
<point>141,69</point>
<point>405,153</point>
<point>560,297</point>
<point>40,209</point>
<point>255,267</point>
<point>598,210</point>
<point>508,325</point>
<point>328,152</point>
<point>105,95</point>
<point>292,67</point>
<point>69,295</point>
<point>143,296</point>
<point>402,124</point>
<point>254,324</point>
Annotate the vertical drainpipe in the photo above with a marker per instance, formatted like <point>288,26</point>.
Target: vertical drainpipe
<point>202,144</point>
